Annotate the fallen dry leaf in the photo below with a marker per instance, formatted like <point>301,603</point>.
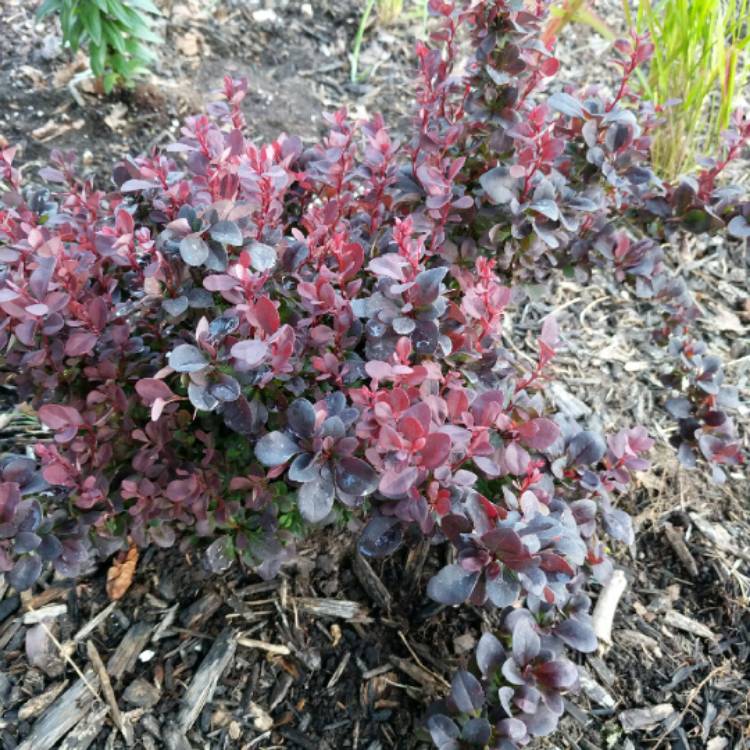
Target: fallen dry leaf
<point>190,44</point>
<point>117,117</point>
<point>50,131</point>
<point>121,572</point>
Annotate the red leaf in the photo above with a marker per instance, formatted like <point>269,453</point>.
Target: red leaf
<point>267,315</point>
<point>80,343</point>
<point>149,389</point>
<point>58,417</point>
<point>436,450</point>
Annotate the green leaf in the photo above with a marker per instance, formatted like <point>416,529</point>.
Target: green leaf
<point>92,22</point>
<point>47,7</point>
<point>113,36</point>
<point>109,81</point>
<point>146,5</point>
<point>97,59</point>
<point>117,9</point>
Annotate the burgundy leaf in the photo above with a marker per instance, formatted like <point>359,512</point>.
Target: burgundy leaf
<point>452,585</point>
<point>315,498</point>
<point>187,358</point>
<point>275,448</point>
<point>395,484</point>
<point>467,692</point>
<point>355,477</point>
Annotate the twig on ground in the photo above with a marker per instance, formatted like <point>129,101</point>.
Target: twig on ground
<point>606,606</point>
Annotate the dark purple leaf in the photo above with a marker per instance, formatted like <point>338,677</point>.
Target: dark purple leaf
<point>452,585</point>
<point>223,326</point>
<point>560,674</point>
<point>355,477</point>
<point>444,732</point>
<point>541,723</point>
<point>225,389</point>
<point>509,547</point>
<point>251,352</point>
<point>244,417</point>
<point>586,448</point>
<point>25,572</point>
<point>315,498</point>
<point>739,227</point>
<point>226,232</point>
<point>477,732</point>
<point>618,524</point>
<point>26,541</point>
<point>219,555</point>
<point>300,417</point>
<point>193,250</point>
<point>467,692</point>
<point>50,548</point>
<point>187,358</point>
<point>502,590</point>
<point>217,260</point>
<point>426,287</point>
<point>381,537</point>
<point>526,643</point>
<point>304,468</point>
<point>577,635</point>
<point>489,654</point>
<point>175,306</point>
<point>499,185</point>
<point>262,257</point>
<point>275,448</point>
<point>566,104</point>
<point>201,397</point>
<point>132,186</point>
<point>680,408</point>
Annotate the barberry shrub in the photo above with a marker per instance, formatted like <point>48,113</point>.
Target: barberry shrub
<point>238,341</point>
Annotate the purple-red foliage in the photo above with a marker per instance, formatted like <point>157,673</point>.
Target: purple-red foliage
<point>236,340</point>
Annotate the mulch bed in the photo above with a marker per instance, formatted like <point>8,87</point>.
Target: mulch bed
<point>338,652</point>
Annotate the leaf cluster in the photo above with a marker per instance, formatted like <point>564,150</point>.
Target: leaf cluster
<point>117,34</point>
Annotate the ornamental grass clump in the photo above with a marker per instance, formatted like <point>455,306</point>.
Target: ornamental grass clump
<point>235,342</point>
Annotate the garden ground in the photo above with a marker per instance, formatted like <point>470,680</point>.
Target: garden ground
<point>338,653</point>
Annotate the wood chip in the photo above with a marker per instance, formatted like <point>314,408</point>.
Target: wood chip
<point>94,623</point>
<point>141,693</point>
<point>370,582</point>
<point>271,648</point>
<point>677,620</point>
<point>109,693</point>
<point>50,612</point>
<point>34,706</point>
<point>677,542</point>
<point>634,638</point>
<point>162,629</point>
<point>336,676</point>
<point>341,608</point>
<point>718,536</point>
<point>125,656</point>
<point>594,690</point>
<point>606,606</point>
<point>204,682</point>
<point>262,721</point>
<point>417,673</point>
<point>63,714</point>
<point>642,718</point>
<point>87,730</point>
